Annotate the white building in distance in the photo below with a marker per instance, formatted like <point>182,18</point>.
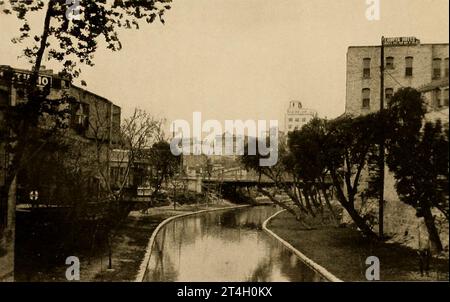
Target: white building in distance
<point>297,116</point>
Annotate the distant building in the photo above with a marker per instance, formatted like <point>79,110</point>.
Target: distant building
<point>297,116</point>
<point>408,63</point>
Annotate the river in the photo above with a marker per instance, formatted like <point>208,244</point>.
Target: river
<point>223,246</point>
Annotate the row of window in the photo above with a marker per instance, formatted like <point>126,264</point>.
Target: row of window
<point>437,68</point>
<point>389,92</point>
<point>409,62</point>
<point>437,98</point>
<point>291,127</point>
<point>297,120</point>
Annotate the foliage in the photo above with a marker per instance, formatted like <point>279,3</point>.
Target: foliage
<point>69,41</point>
<point>163,163</point>
<point>324,155</point>
<point>72,41</point>
<point>418,157</point>
<point>350,143</point>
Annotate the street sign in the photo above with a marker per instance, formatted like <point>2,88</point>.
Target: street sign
<point>34,195</point>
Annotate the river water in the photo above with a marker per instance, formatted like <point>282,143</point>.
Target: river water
<point>223,246</point>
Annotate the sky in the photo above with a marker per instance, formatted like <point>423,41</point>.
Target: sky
<point>243,59</point>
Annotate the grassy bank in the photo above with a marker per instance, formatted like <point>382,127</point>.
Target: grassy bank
<point>129,247</point>
<point>343,252</point>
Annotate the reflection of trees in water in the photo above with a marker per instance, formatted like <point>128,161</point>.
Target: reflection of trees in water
<point>294,268</point>
<point>263,271</point>
<point>161,268</point>
<point>253,218</point>
<point>216,232</point>
<point>185,230</point>
<point>167,250</point>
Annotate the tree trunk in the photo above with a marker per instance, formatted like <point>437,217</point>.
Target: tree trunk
<point>109,252</point>
<point>7,239</point>
<point>308,203</point>
<point>296,198</point>
<point>42,46</point>
<point>11,186</point>
<point>361,223</point>
<point>281,204</point>
<point>330,207</point>
<point>433,234</point>
<point>12,203</point>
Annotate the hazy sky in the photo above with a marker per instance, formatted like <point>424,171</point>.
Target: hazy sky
<point>245,59</point>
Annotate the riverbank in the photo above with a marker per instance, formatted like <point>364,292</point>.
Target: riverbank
<point>343,251</point>
<point>129,247</point>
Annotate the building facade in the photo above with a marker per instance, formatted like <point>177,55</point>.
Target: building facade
<point>297,116</point>
<point>408,63</point>
<point>92,119</point>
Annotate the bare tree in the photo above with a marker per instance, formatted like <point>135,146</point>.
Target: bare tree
<point>117,156</point>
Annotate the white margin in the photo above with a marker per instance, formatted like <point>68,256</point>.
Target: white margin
<point>314,266</point>
<point>143,267</point>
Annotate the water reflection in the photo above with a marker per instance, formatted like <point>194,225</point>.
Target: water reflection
<point>223,246</point>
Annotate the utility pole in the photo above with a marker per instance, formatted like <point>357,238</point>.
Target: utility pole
<point>382,159</point>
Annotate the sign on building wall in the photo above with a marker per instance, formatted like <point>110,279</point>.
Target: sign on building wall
<point>21,77</point>
<point>401,41</point>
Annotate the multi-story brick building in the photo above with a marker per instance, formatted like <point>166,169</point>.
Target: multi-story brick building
<point>297,116</point>
<point>93,119</point>
<point>408,63</point>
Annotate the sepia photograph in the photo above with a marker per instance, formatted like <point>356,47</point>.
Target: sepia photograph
<point>204,143</point>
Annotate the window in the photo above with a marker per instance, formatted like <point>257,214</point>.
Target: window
<point>446,67</point>
<point>366,68</point>
<point>389,94</point>
<point>80,116</point>
<point>437,68</point>
<point>4,98</point>
<point>290,119</point>
<point>366,98</point>
<point>297,120</point>
<point>409,66</point>
<point>446,97</point>
<point>304,120</point>
<point>390,63</point>
<point>21,94</point>
<point>437,98</point>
